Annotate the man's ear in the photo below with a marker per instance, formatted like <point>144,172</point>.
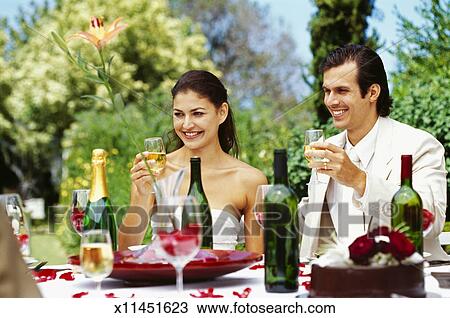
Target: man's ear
<point>374,92</point>
<point>223,112</point>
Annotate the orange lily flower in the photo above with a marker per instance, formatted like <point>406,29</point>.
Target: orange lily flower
<point>98,35</point>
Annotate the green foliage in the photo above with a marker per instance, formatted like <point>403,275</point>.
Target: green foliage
<point>44,104</point>
<point>447,229</point>
<point>259,134</point>
<point>421,96</point>
<point>255,52</point>
<point>42,98</point>
<point>334,24</point>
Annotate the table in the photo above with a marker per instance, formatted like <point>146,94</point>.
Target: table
<point>225,285</point>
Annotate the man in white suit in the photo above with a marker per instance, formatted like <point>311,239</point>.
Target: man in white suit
<point>360,171</point>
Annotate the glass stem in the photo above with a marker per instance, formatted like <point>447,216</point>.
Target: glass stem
<point>179,272</point>
<point>314,175</point>
<point>99,286</point>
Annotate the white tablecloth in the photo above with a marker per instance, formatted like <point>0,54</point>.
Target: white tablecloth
<point>224,285</point>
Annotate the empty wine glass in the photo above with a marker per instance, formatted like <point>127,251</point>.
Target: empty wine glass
<point>15,211</point>
<point>311,136</point>
<point>258,208</point>
<point>178,229</point>
<point>156,154</point>
<point>77,210</point>
<point>96,255</point>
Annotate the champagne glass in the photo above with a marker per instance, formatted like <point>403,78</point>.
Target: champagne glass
<point>156,154</point>
<point>15,211</point>
<point>258,209</point>
<point>178,228</point>
<point>311,136</point>
<point>96,255</point>
<point>77,210</point>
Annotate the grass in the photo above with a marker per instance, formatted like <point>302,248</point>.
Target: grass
<point>46,247</point>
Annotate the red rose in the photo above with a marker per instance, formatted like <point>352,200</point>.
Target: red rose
<point>400,246</point>
<point>381,230</point>
<point>428,219</point>
<point>362,249</point>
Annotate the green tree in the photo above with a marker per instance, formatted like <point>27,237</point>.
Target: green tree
<point>43,101</point>
<point>336,23</point>
<point>420,86</point>
<point>255,53</point>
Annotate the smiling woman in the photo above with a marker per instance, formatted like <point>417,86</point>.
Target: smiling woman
<point>202,126</point>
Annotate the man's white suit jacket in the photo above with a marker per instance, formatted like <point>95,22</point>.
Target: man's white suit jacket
<point>383,180</point>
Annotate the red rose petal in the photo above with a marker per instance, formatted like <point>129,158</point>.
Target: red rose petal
<point>79,295</point>
<point>307,285</point>
<point>44,275</point>
<point>301,274</point>
<point>177,243</point>
<point>67,276</point>
<point>244,294</point>
<point>206,294</point>
<point>257,266</point>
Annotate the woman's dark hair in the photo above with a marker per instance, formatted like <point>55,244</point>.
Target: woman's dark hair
<point>370,71</point>
<point>207,85</point>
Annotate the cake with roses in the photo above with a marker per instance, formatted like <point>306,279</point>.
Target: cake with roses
<point>382,263</point>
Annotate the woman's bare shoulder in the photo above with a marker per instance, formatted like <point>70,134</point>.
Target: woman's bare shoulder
<point>248,174</point>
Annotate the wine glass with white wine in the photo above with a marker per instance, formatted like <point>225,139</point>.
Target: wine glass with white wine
<point>312,136</point>
<point>156,154</point>
<point>96,255</point>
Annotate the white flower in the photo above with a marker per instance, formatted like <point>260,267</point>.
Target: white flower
<point>338,255</point>
<point>415,258</point>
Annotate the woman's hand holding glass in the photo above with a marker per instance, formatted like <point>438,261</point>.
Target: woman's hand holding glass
<point>144,172</point>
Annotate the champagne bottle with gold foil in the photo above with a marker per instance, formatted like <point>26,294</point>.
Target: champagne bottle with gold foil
<point>99,213</point>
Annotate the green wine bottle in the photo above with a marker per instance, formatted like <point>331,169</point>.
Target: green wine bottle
<point>99,213</point>
<point>407,206</point>
<point>196,190</point>
<point>281,231</point>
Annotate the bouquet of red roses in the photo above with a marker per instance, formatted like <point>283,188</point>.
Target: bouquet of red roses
<point>381,246</point>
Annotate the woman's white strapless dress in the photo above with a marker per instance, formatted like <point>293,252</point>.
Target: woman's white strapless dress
<point>228,230</point>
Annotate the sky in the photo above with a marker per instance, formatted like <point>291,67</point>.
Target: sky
<point>296,15</point>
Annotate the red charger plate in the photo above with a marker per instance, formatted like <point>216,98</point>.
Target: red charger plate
<point>161,273</point>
